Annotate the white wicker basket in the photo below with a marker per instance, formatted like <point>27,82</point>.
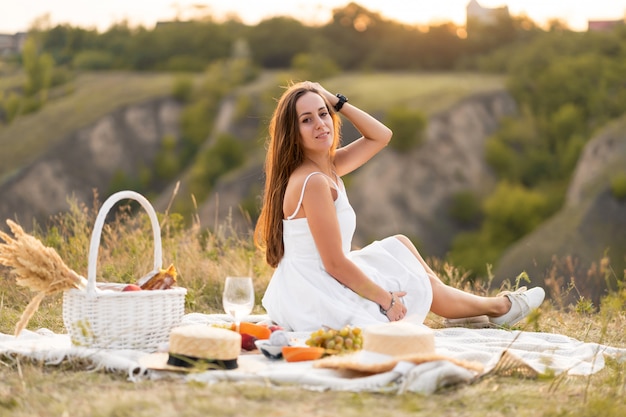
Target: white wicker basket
<point>138,320</point>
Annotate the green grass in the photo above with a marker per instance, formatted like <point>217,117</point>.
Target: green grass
<point>11,80</point>
<point>427,92</point>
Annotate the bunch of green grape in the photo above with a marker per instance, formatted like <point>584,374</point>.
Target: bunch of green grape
<point>345,340</point>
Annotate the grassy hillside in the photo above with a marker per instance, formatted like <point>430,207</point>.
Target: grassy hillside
<point>428,92</point>
<point>92,95</point>
<point>88,98</point>
<point>10,79</point>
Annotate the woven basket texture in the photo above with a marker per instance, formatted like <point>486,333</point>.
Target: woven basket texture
<point>102,316</point>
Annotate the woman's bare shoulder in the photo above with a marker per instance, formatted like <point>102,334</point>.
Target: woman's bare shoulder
<point>295,190</point>
<point>300,176</point>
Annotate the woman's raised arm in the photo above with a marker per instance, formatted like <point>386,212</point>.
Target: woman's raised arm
<point>375,135</point>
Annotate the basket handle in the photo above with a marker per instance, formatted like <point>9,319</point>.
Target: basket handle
<point>97,232</point>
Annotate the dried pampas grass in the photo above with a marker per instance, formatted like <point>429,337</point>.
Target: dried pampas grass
<point>36,267</point>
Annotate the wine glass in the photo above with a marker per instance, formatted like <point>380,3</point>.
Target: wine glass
<point>238,297</point>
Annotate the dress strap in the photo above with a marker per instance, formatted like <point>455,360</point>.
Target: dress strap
<point>302,192</point>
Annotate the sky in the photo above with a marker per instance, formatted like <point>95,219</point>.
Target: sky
<point>18,15</point>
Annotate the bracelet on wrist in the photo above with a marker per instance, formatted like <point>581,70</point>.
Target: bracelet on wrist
<point>393,302</point>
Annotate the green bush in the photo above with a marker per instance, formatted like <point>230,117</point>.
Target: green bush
<point>33,103</point>
<point>465,208</point>
<point>314,66</point>
<point>566,122</point>
<point>12,106</point>
<point>167,163</point>
<point>501,158</point>
<point>507,151</point>
<point>227,153</point>
<point>197,121</point>
<point>183,88</point>
<point>38,68</point>
<point>93,60</point>
<point>408,127</point>
<point>538,165</point>
<point>122,181</point>
<point>618,186</point>
<point>474,252</point>
<point>187,63</point>
<point>511,212</point>
<point>61,76</point>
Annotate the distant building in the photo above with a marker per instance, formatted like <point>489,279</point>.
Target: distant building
<point>12,44</point>
<point>603,25</point>
<point>484,15</point>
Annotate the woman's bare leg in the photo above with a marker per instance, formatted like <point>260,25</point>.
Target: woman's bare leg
<point>452,303</point>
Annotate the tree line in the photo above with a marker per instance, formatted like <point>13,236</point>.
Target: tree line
<point>354,39</point>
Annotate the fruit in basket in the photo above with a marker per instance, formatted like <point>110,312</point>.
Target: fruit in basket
<point>162,280</point>
<point>347,339</point>
<point>131,287</point>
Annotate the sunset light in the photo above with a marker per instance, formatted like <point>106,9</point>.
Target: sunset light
<point>19,16</point>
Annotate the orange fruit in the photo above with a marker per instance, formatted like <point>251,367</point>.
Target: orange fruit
<point>256,330</point>
<point>302,353</point>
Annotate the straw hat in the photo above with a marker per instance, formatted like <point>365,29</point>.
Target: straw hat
<point>197,347</point>
<point>384,345</point>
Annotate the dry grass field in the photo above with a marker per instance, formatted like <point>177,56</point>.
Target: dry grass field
<point>203,258</point>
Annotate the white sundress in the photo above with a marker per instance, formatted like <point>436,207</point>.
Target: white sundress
<point>302,296</point>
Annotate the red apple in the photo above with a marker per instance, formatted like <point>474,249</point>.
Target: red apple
<point>132,287</point>
<point>247,341</point>
<point>274,328</point>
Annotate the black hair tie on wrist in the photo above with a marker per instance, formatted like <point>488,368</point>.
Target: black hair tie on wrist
<point>342,100</point>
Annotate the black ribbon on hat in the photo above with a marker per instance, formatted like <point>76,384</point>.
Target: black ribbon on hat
<point>186,361</point>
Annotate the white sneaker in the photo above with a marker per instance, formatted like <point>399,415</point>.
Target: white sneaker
<point>522,303</point>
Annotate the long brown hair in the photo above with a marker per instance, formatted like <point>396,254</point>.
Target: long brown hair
<point>284,155</point>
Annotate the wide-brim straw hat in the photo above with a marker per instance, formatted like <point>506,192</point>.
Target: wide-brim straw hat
<point>385,345</point>
<point>197,348</point>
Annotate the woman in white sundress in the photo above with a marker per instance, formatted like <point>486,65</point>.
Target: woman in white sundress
<point>307,224</point>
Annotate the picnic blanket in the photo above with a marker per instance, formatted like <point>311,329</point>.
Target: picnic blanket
<point>501,352</point>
